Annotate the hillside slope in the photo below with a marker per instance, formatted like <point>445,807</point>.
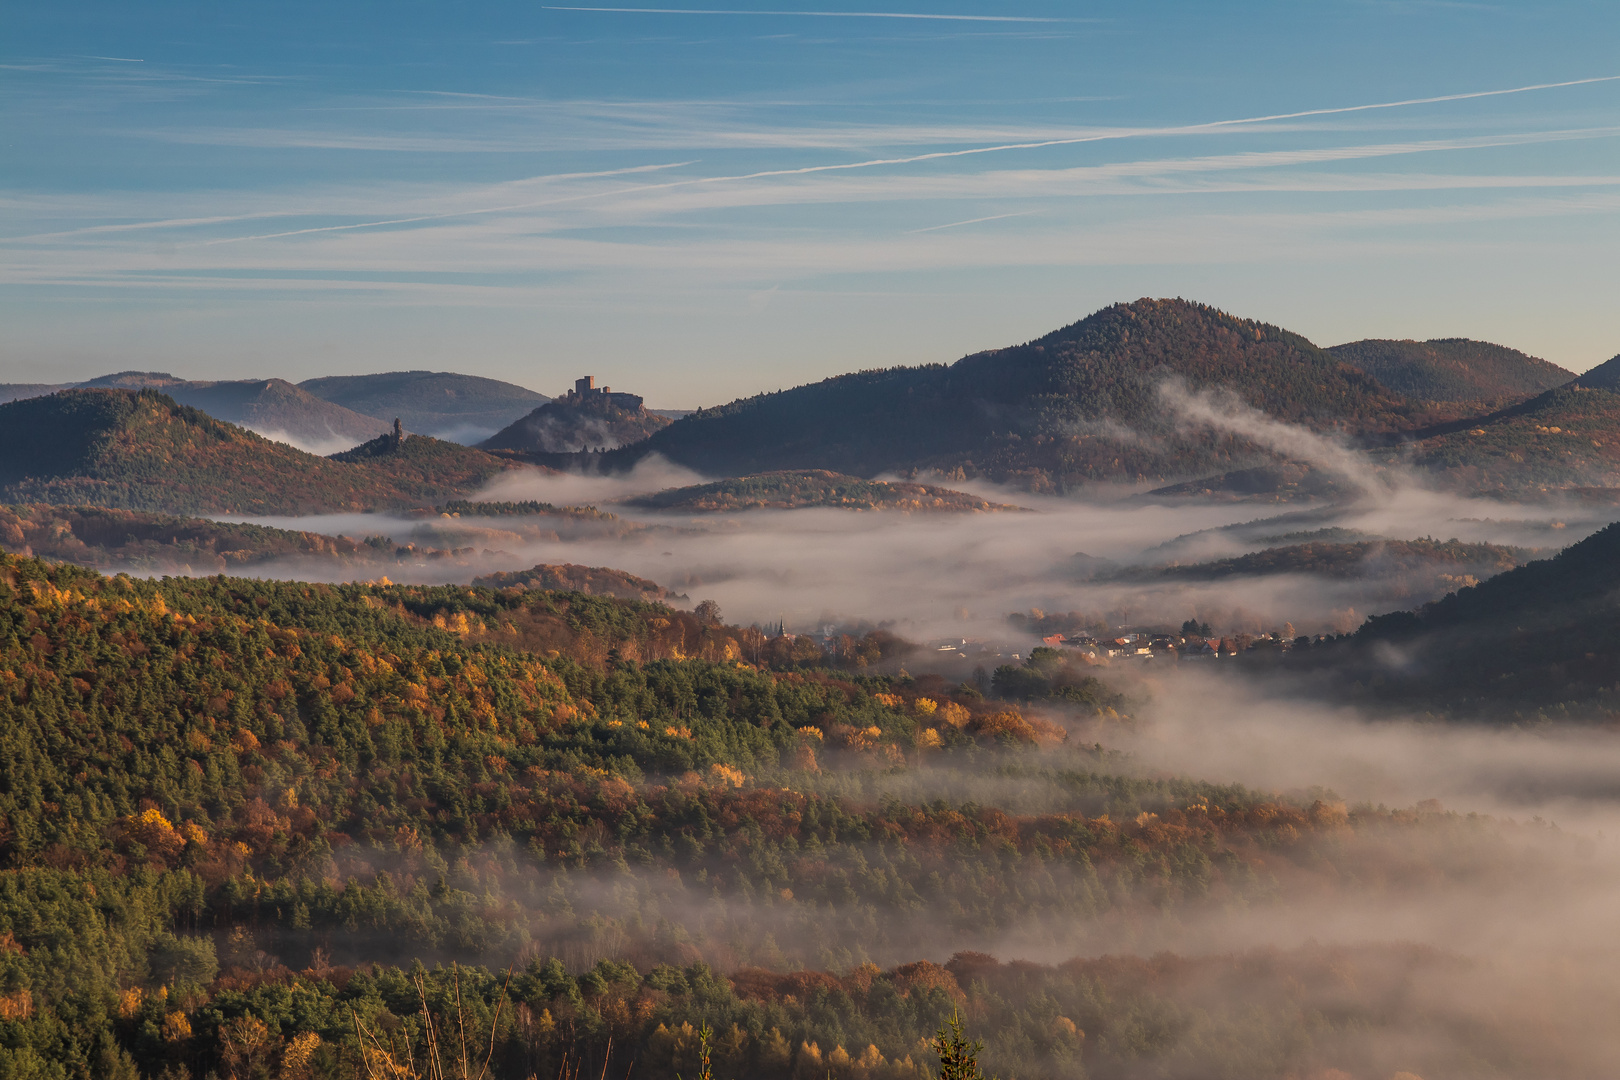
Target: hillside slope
<point>1453,370</point>
<point>141,450</point>
<point>1079,404</point>
<point>464,408</point>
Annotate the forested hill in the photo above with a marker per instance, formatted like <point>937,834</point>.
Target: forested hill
<point>1453,370</point>
<point>813,488</point>
<point>564,427</point>
<point>141,451</point>
<point>1068,407</point>
<point>1536,638</point>
<point>570,577</point>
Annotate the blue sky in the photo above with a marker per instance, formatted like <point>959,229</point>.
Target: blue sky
<point>702,203</point>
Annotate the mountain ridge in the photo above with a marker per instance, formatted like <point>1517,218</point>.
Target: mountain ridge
<point>1077,405</point>
<point>142,450</point>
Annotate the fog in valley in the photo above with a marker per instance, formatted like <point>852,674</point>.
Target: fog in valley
<point>928,576</point>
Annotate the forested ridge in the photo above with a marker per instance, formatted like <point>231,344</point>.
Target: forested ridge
<point>1345,559</point>
<point>799,489</point>
<point>1454,370</point>
<point>117,539</point>
<point>239,813</point>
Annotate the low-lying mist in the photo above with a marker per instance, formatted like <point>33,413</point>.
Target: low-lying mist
<point>942,575</point>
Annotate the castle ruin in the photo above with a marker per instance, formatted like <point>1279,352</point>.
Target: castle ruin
<point>586,392</point>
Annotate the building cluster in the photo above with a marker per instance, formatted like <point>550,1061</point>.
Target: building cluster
<point>1145,646</point>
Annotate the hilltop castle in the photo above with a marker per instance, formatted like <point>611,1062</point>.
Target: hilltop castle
<point>586,392</point>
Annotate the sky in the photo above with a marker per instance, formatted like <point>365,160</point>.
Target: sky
<point>698,203</point>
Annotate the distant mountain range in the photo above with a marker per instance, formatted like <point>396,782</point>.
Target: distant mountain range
<point>462,408</point>
<point>332,413</point>
<point>1088,403</point>
<point>141,450</point>
<point>272,407</point>
<point>1139,393</point>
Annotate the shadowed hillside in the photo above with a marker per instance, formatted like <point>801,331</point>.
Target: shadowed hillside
<point>1077,405</point>
<point>142,451</point>
<point>1453,370</point>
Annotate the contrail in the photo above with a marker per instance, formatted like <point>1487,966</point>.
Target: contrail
<point>184,222</point>
<point>1132,133</point>
<point>815,14</point>
<point>1107,136</point>
<point>972,221</point>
